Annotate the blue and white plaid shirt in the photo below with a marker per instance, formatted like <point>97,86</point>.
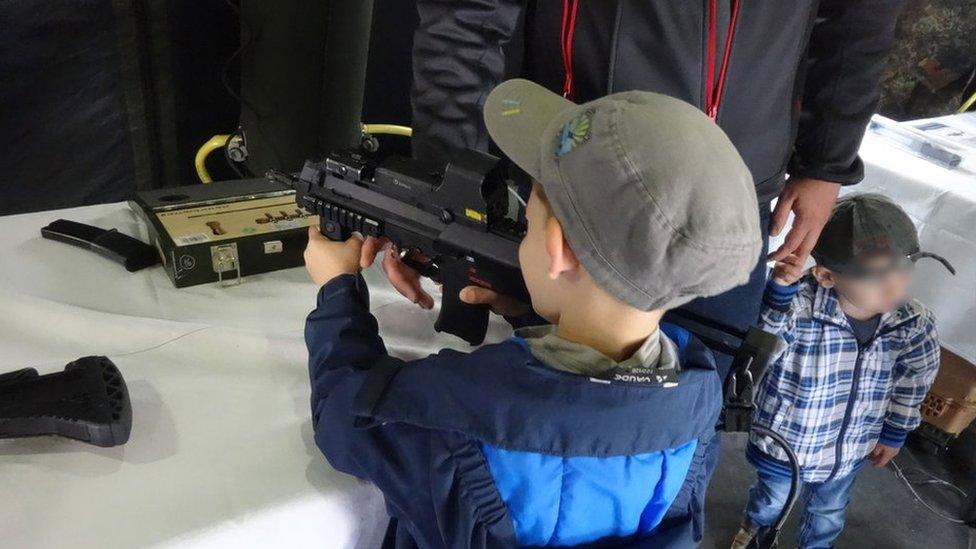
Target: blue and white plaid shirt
<point>832,399</point>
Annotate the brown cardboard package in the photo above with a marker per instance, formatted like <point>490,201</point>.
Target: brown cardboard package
<point>951,403</point>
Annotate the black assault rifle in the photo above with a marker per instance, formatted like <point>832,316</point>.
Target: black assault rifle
<point>451,224</point>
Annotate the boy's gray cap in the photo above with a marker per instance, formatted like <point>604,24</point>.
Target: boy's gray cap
<point>651,194</point>
<point>864,225</point>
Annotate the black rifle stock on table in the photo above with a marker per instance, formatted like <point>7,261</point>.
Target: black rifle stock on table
<point>87,401</point>
<point>451,224</point>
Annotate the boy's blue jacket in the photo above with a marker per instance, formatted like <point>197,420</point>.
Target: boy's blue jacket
<point>495,449</point>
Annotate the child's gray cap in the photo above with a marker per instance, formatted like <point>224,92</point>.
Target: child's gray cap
<point>651,194</point>
<point>867,224</point>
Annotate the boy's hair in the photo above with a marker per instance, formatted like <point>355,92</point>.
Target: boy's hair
<point>651,194</point>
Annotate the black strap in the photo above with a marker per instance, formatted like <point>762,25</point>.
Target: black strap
<point>121,248</point>
<point>371,392</point>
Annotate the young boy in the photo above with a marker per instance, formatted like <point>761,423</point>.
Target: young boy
<point>590,429</point>
<point>860,357</point>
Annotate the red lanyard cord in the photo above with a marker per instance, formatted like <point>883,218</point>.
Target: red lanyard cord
<point>713,91</point>
<point>567,31</point>
<point>710,54</point>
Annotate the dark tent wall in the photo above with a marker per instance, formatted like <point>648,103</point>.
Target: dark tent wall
<point>203,38</point>
<point>64,133</point>
<point>302,70</point>
<point>101,98</point>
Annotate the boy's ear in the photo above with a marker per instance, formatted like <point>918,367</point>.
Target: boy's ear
<point>562,259</point>
<point>823,275</point>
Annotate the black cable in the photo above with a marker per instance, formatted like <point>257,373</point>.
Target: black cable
<point>899,473</point>
<point>237,53</point>
<point>245,42</point>
<point>794,477</point>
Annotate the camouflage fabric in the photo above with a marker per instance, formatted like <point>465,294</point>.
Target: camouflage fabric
<point>932,61</point>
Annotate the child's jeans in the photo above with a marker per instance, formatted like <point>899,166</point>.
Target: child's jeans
<point>823,505</point>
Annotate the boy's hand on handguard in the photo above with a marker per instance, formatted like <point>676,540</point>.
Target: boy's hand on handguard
<point>405,279</point>
<point>788,270</point>
<point>325,259</point>
<point>498,303</point>
<point>882,454</point>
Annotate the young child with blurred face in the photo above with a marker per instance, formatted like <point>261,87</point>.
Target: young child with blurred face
<point>860,356</point>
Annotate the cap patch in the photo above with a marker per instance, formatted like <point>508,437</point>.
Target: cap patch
<point>574,133</point>
<point>871,243</point>
<point>511,107</point>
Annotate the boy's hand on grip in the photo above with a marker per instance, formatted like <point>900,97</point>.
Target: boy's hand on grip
<point>325,259</point>
<point>498,303</point>
<point>788,270</point>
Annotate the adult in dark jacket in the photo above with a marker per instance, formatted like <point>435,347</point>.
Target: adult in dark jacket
<point>793,84</point>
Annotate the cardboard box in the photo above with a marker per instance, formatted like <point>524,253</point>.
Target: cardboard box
<point>951,403</point>
<point>946,413</point>
<point>956,378</point>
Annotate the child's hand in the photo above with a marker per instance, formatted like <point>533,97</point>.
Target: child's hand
<point>882,454</point>
<point>498,303</point>
<point>788,270</point>
<point>325,259</point>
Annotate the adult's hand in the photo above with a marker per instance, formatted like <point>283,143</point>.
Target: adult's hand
<point>811,200</point>
<point>404,279</point>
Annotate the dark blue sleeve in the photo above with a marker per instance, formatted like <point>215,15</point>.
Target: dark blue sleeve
<point>458,57</point>
<point>341,335</point>
<point>846,57</point>
<point>779,297</point>
<point>346,356</point>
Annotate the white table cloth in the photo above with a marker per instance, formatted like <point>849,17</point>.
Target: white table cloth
<point>221,452</point>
